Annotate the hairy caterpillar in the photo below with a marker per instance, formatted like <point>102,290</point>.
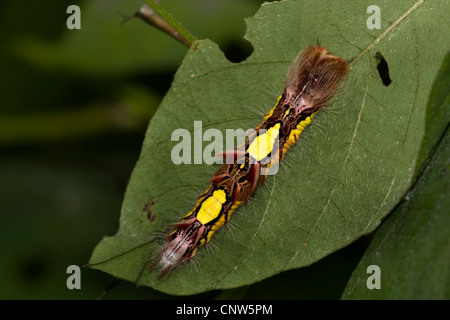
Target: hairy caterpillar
<point>313,78</point>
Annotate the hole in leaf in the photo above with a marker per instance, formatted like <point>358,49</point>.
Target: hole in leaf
<point>237,51</point>
<point>383,68</point>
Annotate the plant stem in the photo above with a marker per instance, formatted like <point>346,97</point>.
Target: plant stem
<point>166,23</point>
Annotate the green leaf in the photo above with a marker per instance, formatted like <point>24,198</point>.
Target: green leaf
<point>350,169</point>
<point>412,248</point>
<point>438,111</point>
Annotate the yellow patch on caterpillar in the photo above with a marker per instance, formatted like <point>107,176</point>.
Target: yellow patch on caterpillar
<point>211,207</point>
<point>263,144</point>
<point>270,113</point>
<point>295,134</point>
<point>219,224</point>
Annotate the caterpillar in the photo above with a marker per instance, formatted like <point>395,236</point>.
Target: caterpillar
<point>313,78</point>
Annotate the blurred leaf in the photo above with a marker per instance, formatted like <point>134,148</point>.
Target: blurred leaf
<point>110,47</point>
<point>49,198</point>
<point>354,164</point>
<point>412,248</point>
<point>133,107</point>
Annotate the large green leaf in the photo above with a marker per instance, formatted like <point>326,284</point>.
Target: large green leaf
<point>412,248</point>
<point>351,168</point>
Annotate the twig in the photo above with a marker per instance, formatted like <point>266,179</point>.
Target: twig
<point>156,16</point>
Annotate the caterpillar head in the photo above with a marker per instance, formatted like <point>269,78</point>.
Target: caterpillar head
<point>314,77</point>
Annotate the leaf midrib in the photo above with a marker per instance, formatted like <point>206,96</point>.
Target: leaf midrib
<point>386,32</point>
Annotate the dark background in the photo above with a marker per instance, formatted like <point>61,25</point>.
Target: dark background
<point>75,105</point>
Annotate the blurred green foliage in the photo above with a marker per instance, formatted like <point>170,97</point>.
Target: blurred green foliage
<point>75,106</point>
